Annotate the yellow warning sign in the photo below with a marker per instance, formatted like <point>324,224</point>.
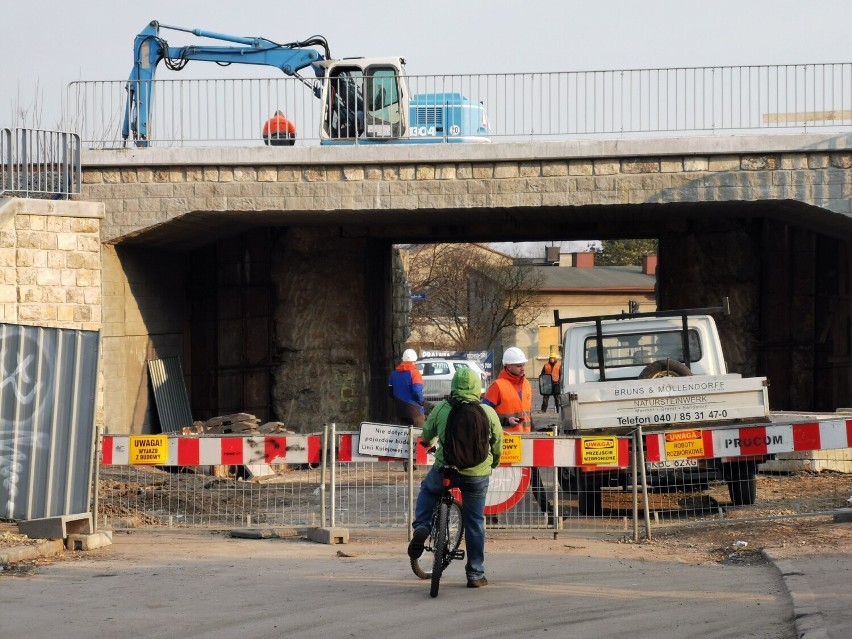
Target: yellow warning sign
<point>149,449</point>
<point>684,443</point>
<point>599,450</point>
<point>511,449</point>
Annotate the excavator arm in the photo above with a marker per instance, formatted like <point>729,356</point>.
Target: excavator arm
<point>149,49</point>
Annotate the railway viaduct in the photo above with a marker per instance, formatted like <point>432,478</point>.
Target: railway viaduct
<point>271,271</point>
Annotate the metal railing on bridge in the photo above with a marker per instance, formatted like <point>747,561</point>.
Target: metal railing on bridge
<point>519,106</point>
<point>38,163</point>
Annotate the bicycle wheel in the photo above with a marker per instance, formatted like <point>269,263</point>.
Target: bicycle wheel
<point>455,535</point>
<point>455,526</point>
<point>441,548</point>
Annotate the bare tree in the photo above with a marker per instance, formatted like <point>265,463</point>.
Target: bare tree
<point>472,294</point>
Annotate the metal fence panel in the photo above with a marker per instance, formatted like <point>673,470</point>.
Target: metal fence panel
<point>39,163</point>
<point>207,497</point>
<point>519,106</point>
<point>47,407</point>
<point>6,166</point>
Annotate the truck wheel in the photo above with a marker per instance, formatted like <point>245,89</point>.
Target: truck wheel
<point>665,368</point>
<point>741,478</point>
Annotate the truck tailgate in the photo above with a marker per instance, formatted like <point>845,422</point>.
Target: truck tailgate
<point>626,404</point>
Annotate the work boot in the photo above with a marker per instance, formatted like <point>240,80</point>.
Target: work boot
<point>415,546</point>
<point>544,408</point>
<point>477,583</point>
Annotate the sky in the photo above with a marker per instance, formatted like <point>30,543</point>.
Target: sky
<point>44,48</point>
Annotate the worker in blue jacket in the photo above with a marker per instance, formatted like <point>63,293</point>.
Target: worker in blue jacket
<point>406,387</point>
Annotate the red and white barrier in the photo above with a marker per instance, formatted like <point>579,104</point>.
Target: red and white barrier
<point>542,452</point>
<point>536,451</point>
<point>215,451</point>
<point>764,439</point>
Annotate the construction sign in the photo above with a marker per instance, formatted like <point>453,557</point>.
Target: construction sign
<point>149,449</point>
<point>681,444</point>
<point>511,449</point>
<point>599,451</point>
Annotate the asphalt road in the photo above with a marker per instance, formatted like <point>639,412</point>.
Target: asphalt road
<point>197,584</point>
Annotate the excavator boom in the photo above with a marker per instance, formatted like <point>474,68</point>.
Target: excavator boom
<point>149,49</point>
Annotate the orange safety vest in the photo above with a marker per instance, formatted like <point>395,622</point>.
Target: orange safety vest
<point>510,403</point>
<point>553,371</point>
<point>278,124</point>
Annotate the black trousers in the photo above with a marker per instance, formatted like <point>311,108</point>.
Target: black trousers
<point>545,400</point>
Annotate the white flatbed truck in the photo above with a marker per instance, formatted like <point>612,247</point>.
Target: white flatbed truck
<point>664,373</point>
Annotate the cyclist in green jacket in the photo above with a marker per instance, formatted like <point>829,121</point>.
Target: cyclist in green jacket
<point>473,482</point>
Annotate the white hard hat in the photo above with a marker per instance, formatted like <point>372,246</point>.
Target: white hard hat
<point>409,355</point>
<point>514,355</point>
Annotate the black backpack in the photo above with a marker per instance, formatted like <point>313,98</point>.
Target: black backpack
<point>467,438</point>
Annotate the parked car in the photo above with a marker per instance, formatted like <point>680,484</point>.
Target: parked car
<point>438,374</point>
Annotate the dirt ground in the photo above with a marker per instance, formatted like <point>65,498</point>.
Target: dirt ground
<point>738,538</point>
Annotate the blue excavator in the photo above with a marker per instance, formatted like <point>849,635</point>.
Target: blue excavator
<point>363,100</point>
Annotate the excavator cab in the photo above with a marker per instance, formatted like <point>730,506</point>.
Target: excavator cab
<point>363,99</point>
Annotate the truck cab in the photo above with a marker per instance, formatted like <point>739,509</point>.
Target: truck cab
<point>628,347</point>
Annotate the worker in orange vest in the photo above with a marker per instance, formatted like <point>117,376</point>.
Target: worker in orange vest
<point>279,131</point>
<point>511,396</point>
<point>552,367</point>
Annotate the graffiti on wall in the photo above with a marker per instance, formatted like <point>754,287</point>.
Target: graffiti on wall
<point>48,382</point>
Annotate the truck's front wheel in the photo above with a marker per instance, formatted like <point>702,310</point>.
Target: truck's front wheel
<point>665,368</point>
<point>741,478</point>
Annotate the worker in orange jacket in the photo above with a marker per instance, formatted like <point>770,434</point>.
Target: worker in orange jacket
<point>552,367</point>
<point>279,131</point>
<point>511,394</point>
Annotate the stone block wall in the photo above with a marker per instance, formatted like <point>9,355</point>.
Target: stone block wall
<point>50,267</point>
<point>50,263</point>
<point>140,196</point>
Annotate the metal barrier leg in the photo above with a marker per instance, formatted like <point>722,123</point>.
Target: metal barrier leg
<point>412,442</point>
<point>635,490</point>
<point>644,484</point>
<point>557,520</point>
<point>333,467</point>
<point>323,466</point>
<point>99,435</point>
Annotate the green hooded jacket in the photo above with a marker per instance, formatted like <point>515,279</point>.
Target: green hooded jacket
<point>466,387</point>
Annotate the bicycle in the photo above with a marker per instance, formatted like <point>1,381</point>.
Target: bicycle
<point>445,535</point>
